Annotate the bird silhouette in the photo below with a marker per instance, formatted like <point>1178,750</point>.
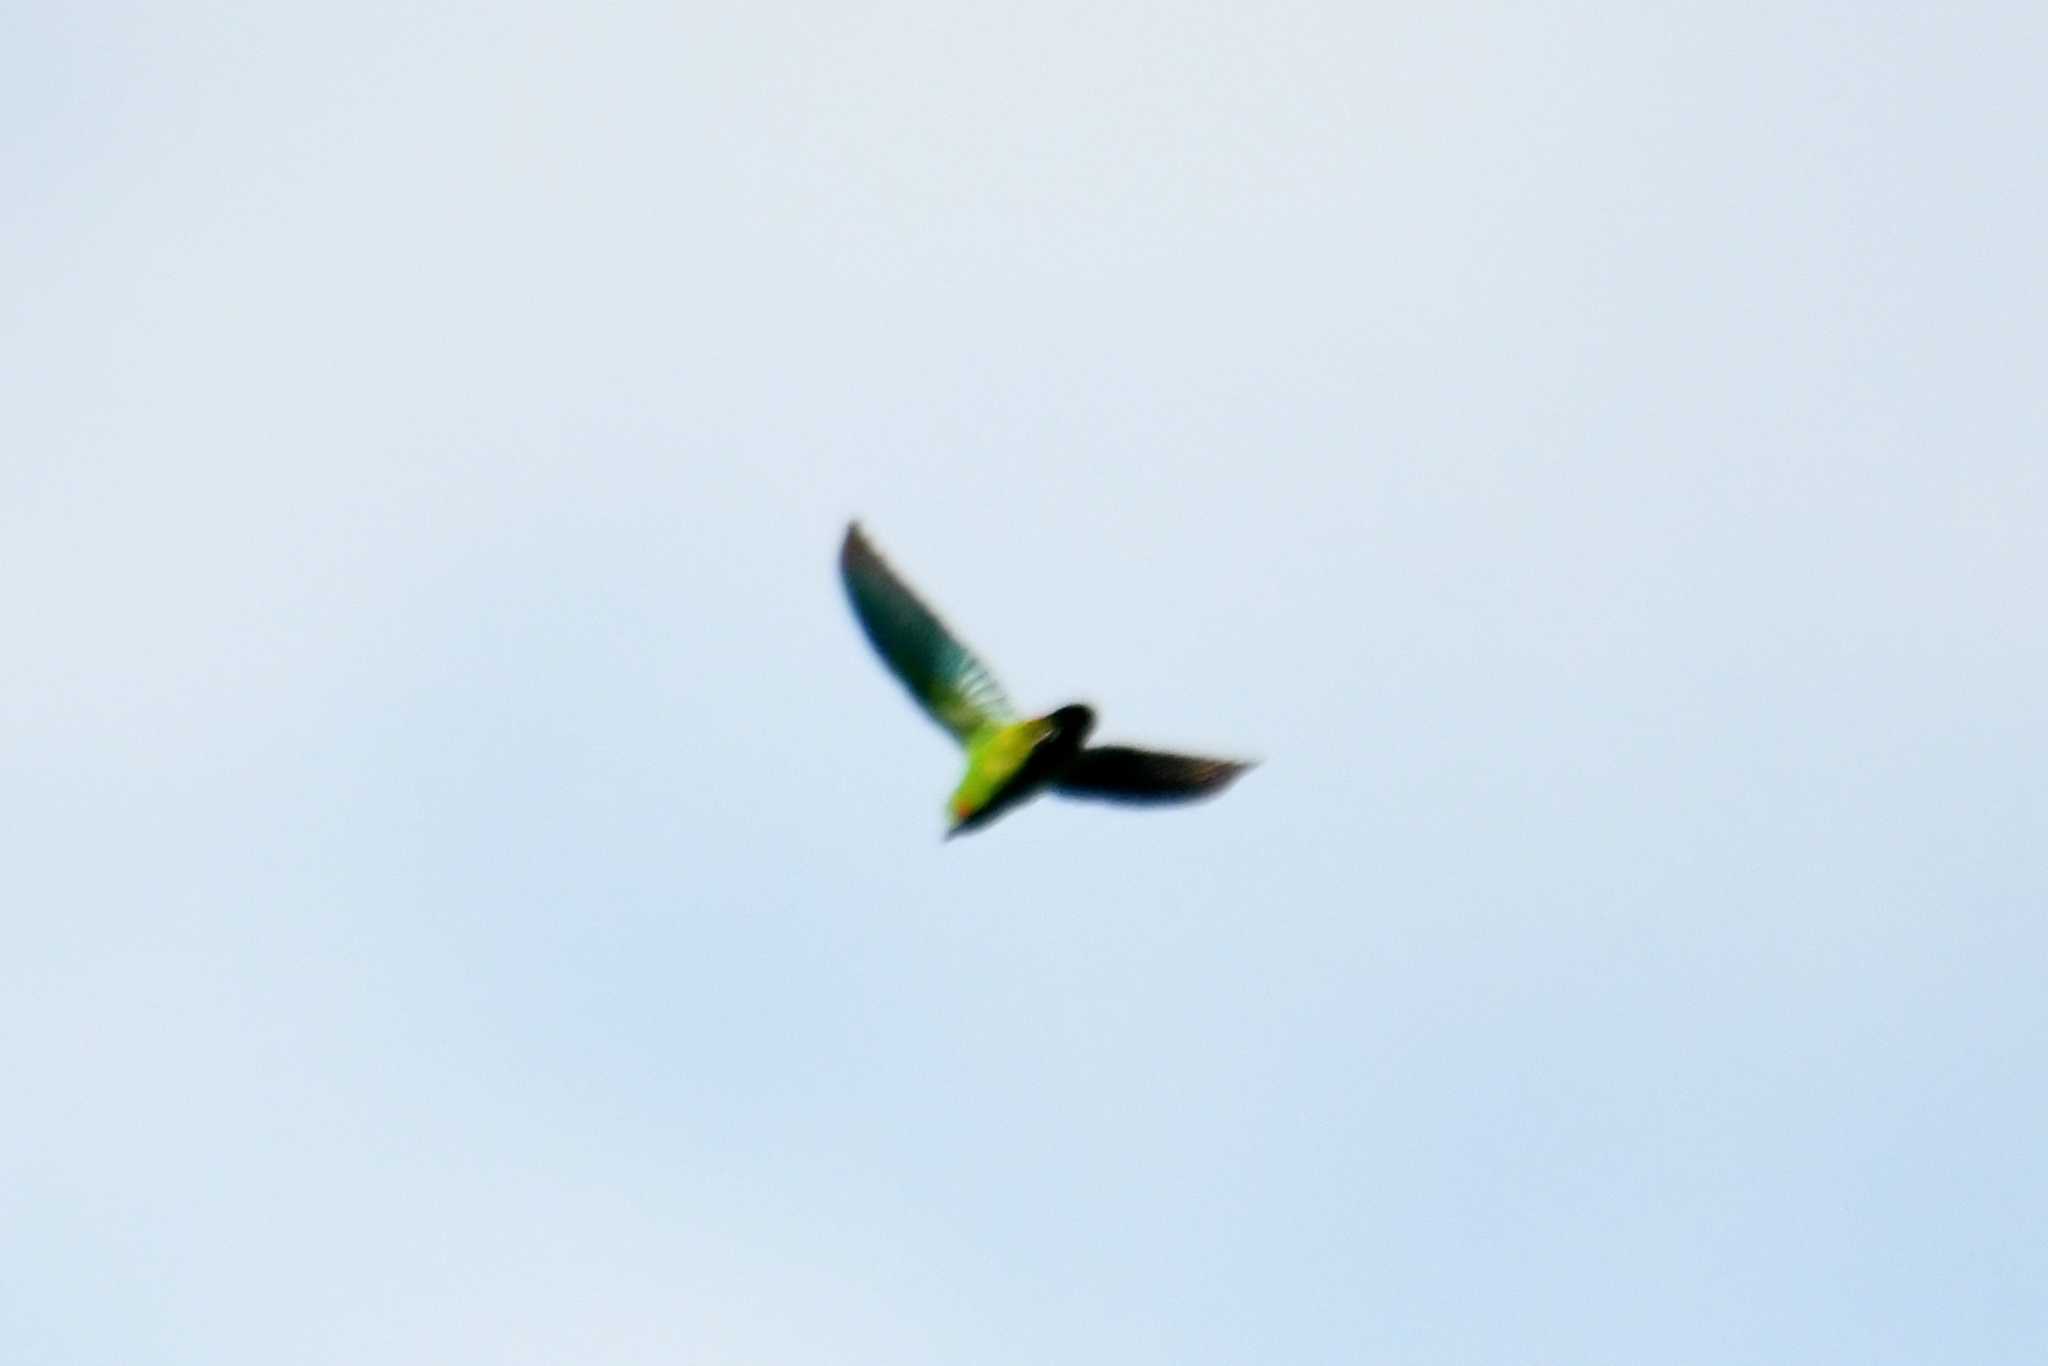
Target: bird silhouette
<point>1009,758</point>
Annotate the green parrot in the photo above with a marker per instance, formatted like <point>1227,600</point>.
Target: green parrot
<point>1008,758</point>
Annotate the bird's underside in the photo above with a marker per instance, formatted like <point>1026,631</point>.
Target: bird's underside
<point>1009,759</point>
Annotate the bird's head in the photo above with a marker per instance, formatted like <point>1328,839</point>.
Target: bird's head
<point>1072,722</point>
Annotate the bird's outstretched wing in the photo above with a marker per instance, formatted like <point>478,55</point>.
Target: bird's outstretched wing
<point>1119,774</point>
<point>942,674</point>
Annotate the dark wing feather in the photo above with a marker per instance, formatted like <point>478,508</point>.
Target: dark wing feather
<point>953,687</point>
<point>1120,774</point>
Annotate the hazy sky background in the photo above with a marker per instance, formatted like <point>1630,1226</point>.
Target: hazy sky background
<point>469,894</point>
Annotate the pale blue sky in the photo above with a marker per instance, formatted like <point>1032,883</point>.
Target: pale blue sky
<point>471,896</point>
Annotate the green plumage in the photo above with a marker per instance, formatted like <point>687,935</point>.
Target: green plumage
<point>953,687</point>
<point>1008,759</point>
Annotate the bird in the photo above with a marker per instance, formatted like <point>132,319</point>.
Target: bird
<point>1009,758</point>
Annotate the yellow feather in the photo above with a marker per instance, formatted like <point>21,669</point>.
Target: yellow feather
<point>994,754</point>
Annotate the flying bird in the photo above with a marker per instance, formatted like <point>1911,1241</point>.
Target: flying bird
<point>1009,758</point>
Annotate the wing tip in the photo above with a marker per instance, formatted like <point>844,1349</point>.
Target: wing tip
<point>1226,773</point>
<point>855,548</point>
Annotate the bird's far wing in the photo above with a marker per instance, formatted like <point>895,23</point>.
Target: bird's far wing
<point>1120,774</point>
<point>942,674</point>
